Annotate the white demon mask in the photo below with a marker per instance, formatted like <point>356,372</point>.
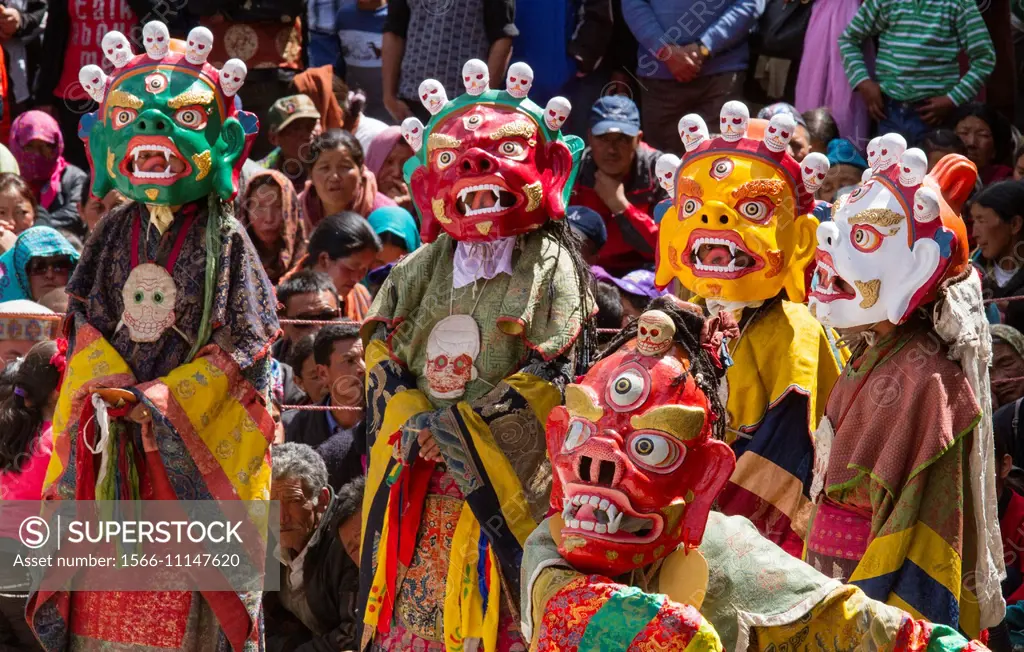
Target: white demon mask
<point>475,76</point>
<point>666,168</point>
<point>813,170</point>
<point>432,96</point>
<point>654,333</point>
<point>452,349</point>
<point>734,119</point>
<point>148,297</point>
<point>890,149</point>
<point>557,112</point>
<point>867,271</point>
<point>93,80</point>
<point>156,39</point>
<point>692,131</point>
<point>779,132</point>
<point>232,76</point>
<point>913,167</point>
<point>199,46</point>
<point>117,49</point>
<point>519,80</point>
<point>873,147</point>
<point>412,132</point>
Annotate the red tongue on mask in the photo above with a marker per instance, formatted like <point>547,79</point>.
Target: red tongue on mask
<point>156,163</point>
<point>585,512</point>
<point>482,199</point>
<point>716,255</point>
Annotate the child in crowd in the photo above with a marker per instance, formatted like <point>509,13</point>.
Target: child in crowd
<point>822,128</point>
<point>940,142</point>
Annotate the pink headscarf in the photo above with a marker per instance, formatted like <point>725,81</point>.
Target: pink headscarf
<point>380,147</point>
<point>42,173</point>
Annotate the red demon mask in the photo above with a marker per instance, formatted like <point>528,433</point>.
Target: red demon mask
<point>490,173</point>
<point>636,467</point>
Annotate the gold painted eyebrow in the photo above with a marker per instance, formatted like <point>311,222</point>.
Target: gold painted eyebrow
<point>190,97</point>
<point>126,100</point>
<point>579,403</point>
<point>683,422</point>
<point>877,217</point>
<point>772,188</point>
<point>689,187</point>
<point>442,141</point>
<point>521,128</point>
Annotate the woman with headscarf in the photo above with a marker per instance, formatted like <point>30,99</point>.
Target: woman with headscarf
<point>398,234</point>
<point>273,219</point>
<point>40,261</point>
<point>988,138</point>
<point>338,179</point>
<point>38,146</point>
<point>385,157</point>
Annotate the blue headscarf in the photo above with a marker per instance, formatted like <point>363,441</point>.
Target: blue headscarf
<point>37,242</point>
<point>397,220</point>
<point>842,151</point>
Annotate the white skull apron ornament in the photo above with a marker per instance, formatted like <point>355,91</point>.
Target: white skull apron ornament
<point>452,349</point>
<point>654,333</point>
<point>148,297</point>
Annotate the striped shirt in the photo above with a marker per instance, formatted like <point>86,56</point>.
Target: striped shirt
<point>919,41</point>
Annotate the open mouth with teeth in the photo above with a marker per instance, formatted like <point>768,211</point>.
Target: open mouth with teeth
<point>827,285</point>
<point>474,199</point>
<point>607,514</point>
<point>154,160</point>
<point>719,254</point>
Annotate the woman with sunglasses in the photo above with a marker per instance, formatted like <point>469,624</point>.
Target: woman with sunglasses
<point>41,260</point>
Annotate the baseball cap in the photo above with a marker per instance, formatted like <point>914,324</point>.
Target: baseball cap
<point>289,109</point>
<point>614,114</point>
<point>588,223</point>
<point>639,282</point>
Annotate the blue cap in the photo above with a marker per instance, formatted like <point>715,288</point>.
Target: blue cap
<point>772,110</point>
<point>588,223</point>
<point>614,114</point>
<point>842,151</point>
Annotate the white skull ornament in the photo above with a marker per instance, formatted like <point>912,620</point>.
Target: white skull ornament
<point>93,80</point>
<point>654,333</point>
<point>232,76</point>
<point>813,170</point>
<point>692,131</point>
<point>519,80</point>
<point>475,76</point>
<point>734,119</point>
<point>779,132</point>
<point>156,39</point>
<point>666,168</point>
<point>199,46</point>
<point>913,167</point>
<point>926,205</point>
<point>556,112</point>
<point>412,132</point>
<point>890,149</point>
<point>117,49</point>
<point>452,348</point>
<point>148,296</point>
<point>873,147</point>
<point>432,96</point>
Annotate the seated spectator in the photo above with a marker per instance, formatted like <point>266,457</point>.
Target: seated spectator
<point>846,168</point>
<point>609,306</point>
<point>940,142</point>
<point>589,226</point>
<point>38,146</point>
<point>41,260</point>
<point>339,434</point>
<point>18,204</point>
<point>307,376</point>
<point>344,247</point>
<point>338,179</point>
<point>636,289</point>
<point>398,234</point>
<point>1007,430</point>
<point>18,334</point>
<point>385,157</point>
<point>93,209</point>
<point>55,300</point>
<point>988,139</point>
<point>293,123</point>
<point>1007,367</point>
<point>25,418</point>
<point>998,229</point>
<point>1018,163</point>
<point>822,129</point>
<point>307,295</point>
<point>316,606</point>
<point>618,180</point>
<point>800,145</point>
<point>360,31</point>
<point>270,211</point>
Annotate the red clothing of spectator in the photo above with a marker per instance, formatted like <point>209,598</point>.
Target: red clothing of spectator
<point>1011,526</point>
<point>633,234</point>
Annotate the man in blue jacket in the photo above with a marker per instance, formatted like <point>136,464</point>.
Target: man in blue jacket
<point>692,59</point>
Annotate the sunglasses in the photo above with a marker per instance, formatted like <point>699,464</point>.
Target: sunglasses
<point>40,266</point>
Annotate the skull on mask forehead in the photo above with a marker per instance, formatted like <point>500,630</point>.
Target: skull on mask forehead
<point>636,468</point>
<point>157,39</point>
<point>117,49</point>
<point>475,76</point>
<point>148,296</point>
<point>452,349</point>
<point>692,131</point>
<point>519,80</point>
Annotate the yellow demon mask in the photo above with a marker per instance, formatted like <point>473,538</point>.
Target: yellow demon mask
<point>739,228</point>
